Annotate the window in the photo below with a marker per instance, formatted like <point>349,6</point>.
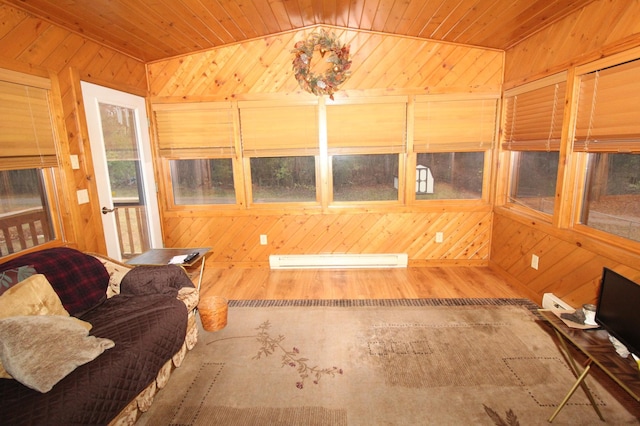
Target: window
<point>280,146</point>
<point>198,141</point>
<point>27,154</point>
<point>283,179</point>
<point>25,219</point>
<point>533,179</point>
<point>364,142</point>
<point>533,124</point>
<point>451,138</point>
<point>612,194</point>
<point>608,131</point>
<point>202,181</point>
<point>370,177</point>
<point>449,175</point>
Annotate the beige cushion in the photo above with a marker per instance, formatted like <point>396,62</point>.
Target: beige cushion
<point>33,296</point>
<point>40,350</point>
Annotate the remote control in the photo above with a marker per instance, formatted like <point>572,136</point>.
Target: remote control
<point>190,257</point>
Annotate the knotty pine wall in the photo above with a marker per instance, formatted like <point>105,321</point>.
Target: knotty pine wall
<point>570,262</point>
<point>32,45</point>
<point>382,65</point>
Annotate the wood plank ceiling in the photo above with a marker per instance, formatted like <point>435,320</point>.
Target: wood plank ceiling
<point>152,30</point>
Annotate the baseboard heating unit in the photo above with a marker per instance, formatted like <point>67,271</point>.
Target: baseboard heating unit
<point>338,261</point>
<point>551,301</point>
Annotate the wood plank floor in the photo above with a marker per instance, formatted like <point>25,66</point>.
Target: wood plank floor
<point>410,283</point>
<point>401,283</point>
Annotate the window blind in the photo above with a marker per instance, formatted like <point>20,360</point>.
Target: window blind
<point>278,130</point>
<point>195,130</point>
<point>533,119</point>
<point>366,128</point>
<point>608,118</point>
<point>454,125</point>
<point>26,131</point>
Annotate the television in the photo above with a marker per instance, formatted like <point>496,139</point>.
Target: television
<point>618,310</point>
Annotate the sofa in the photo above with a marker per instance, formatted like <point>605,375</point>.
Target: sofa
<point>85,339</point>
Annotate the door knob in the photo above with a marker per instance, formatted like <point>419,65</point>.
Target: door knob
<point>106,210</point>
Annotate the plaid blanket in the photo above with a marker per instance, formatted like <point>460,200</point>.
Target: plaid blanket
<point>79,280</point>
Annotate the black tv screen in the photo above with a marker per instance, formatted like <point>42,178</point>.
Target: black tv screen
<point>618,309</point>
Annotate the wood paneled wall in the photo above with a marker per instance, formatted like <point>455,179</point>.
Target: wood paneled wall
<point>570,263</point>
<point>382,65</point>
<point>235,239</point>
<point>32,45</point>
<point>600,29</point>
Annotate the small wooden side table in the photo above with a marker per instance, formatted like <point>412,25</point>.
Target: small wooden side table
<point>162,256</point>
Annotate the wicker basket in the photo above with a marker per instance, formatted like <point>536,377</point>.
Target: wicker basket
<point>213,312</point>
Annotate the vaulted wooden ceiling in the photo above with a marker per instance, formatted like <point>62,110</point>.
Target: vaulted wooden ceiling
<point>151,30</point>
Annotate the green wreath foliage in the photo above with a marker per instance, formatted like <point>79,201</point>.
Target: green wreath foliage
<point>337,73</point>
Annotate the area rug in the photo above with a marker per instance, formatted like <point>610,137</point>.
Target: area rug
<point>378,362</point>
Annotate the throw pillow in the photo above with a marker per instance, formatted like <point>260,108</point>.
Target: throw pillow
<point>41,350</point>
<point>11,277</point>
<point>33,296</point>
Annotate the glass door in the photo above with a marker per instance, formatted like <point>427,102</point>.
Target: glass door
<point>122,161</point>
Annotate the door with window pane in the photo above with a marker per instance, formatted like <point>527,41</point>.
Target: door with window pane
<point>122,161</point>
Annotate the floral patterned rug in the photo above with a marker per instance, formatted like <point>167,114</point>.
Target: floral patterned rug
<point>378,362</point>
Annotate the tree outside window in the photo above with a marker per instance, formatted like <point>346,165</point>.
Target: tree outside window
<point>612,194</point>
<point>533,179</point>
<point>283,179</point>
<point>202,181</point>
<point>449,175</point>
<point>371,177</point>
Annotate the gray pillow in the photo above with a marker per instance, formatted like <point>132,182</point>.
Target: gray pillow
<point>40,350</point>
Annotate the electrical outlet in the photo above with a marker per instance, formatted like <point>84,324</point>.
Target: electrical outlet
<point>534,261</point>
<point>263,240</point>
<point>439,237</point>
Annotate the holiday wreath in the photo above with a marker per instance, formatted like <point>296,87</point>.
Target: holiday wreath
<point>326,83</point>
